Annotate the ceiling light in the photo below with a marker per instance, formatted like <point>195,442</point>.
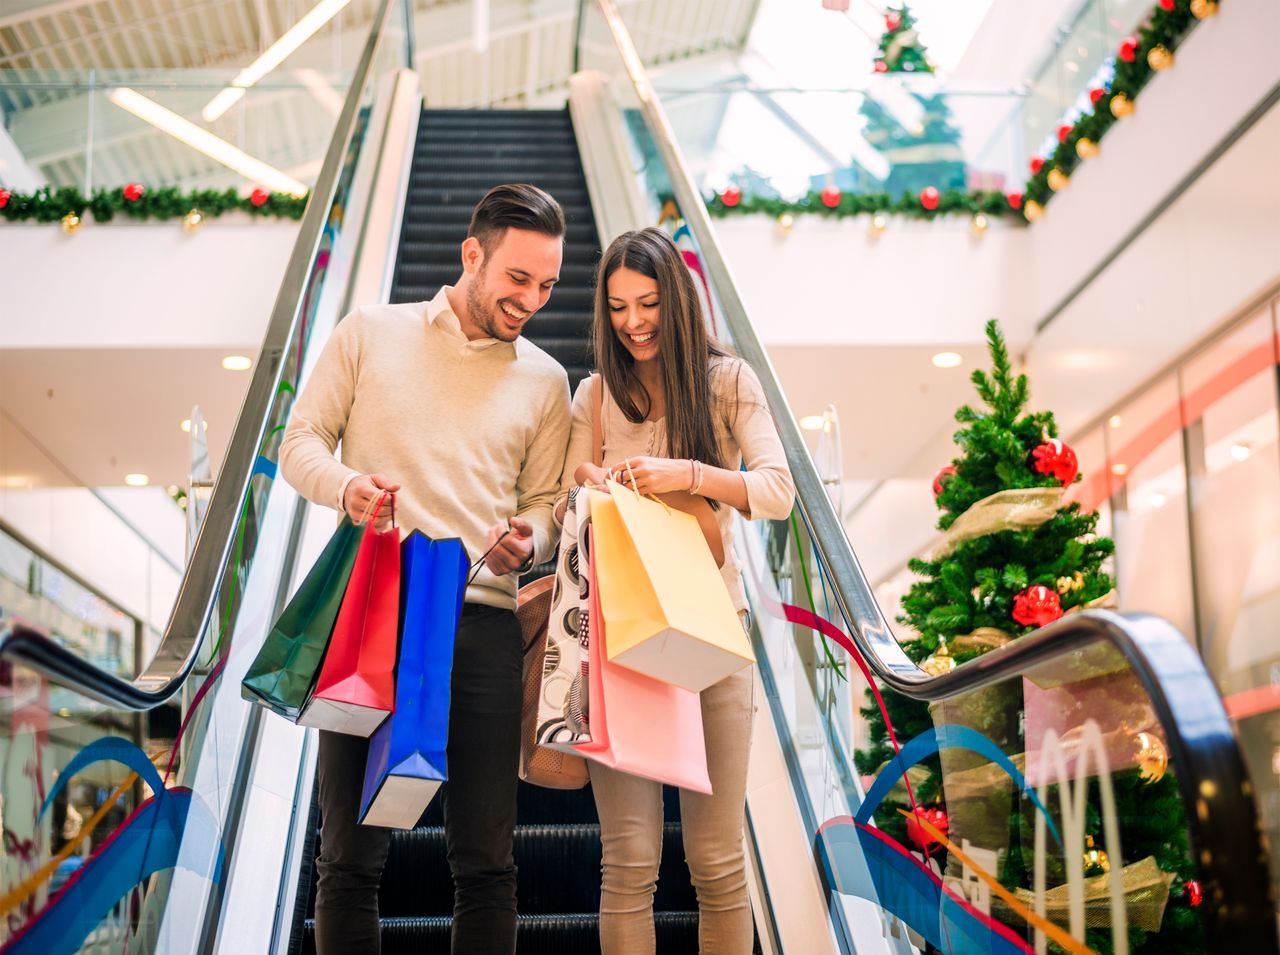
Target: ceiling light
<point>330,100</point>
<point>1241,452</point>
<point>1119,469</point>
<point>204,141</point>
<point>137,480</point>
<point>1073,67</point>
<point>186,422</point>
<point>947,359</point>
<point>237,363</point>
<point>1157,499</point>
<point>273,56</point>
<point>15,480</point>
<point>812,422</point>
<point>1115,421</point>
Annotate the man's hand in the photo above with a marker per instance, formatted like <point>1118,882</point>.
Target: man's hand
<point>653,475</point>
<point>512,551</point>
<point>590,475</point>
<point>362,492</point>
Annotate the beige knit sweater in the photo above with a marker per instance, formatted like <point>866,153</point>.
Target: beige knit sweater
<point>745,433</point>
<point>473,431</point>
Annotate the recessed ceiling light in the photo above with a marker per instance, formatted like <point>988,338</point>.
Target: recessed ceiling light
<point>137,480</point>
<point>1241,452</point>
<point>812,422</point>
<point>237,363</point>
<point>1119,469</point>
<point>947,359</point>
<point>186,425</point>
<point>1157,499</point>
<point>1116,421</point>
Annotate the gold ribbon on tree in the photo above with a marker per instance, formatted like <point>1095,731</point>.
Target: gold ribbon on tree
<point>1014,510</point>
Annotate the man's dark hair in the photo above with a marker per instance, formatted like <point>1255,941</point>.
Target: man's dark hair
<point>514,205</point>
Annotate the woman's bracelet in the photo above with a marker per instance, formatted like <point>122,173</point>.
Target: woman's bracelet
<point>697,486</point>
<point>691,475</point>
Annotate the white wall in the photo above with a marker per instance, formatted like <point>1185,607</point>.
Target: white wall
<point>144,285</point>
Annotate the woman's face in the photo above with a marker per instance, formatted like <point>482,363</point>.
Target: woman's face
<point>634,312</point>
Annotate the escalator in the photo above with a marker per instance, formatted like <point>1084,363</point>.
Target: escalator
<point>196,829</point>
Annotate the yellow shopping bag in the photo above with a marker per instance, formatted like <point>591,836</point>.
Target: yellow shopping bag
<point>666,611</point>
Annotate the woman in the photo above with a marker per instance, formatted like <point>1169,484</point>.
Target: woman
<point>678,414</point>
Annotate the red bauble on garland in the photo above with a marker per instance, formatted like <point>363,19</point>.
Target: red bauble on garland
<point>882,66</point>
<point>4,197</point>
<point>1056,458</point>
<point>133,191</point>
<point>731,196</point>
<point>1168,5</point>
<point>936,816</point>
<point>1015,200</point>
<point>929,197</point>
<point>830,197</point>
<point>940,479</point>
<point>1129,49</point>
<point>1194,893</point>
<point>1063,132</point>
<point>1036,606</point>
<point>892,20</point>
<point>259,197</point>
<point>1096,94</point>
<point>1037,163</point>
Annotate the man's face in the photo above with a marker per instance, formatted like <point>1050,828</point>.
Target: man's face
<point>512,282</point>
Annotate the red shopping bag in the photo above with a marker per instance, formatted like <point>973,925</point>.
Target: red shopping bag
<point>640,725</point>
<point>356,687</point>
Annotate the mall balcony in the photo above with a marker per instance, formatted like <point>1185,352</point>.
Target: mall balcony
<point>1017,653</point>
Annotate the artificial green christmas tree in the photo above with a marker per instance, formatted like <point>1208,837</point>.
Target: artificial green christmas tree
<point>900,48</point>
<point>925,154</point>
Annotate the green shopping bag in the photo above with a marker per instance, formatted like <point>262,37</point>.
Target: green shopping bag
<point>283,673</point>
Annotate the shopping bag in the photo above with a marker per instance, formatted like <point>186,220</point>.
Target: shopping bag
<point>640,725</point>
<point>407,753</point>
<point>562,718</point>
<point>549,768</point>
<point>665,605</point>
<point>356,687</point>
<point>283,673</point>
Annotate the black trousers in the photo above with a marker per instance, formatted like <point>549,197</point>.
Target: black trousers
<point>483,756</point>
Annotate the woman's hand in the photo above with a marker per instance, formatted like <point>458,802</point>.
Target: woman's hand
<point>590,475</point>
<point>654,475</point>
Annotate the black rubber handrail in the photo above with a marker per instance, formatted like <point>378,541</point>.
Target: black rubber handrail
<point>1226,836</point>
<point>198,592</point>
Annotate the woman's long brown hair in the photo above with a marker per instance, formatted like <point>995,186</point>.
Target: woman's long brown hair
<point>686,348</point>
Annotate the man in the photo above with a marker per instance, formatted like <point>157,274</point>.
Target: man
<point>444,404</point>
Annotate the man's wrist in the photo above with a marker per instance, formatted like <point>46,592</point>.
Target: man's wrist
<point>528,565</point>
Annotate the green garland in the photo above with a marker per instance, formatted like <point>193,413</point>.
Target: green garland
<point>1167,28</point>
<point>51,205</point>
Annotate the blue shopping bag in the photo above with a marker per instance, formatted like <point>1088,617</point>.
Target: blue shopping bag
<point>406,755</point>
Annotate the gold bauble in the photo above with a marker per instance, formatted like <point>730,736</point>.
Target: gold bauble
<point>1067,584</point>
<point>1151,756</point>
<point>786,222</point>
<point>1086,148</point>
<point>879,222</point>
<point>1203,9</point>
<point>1160,58</point>
<point>939,662</point>
<point>1094,856</point>
<point>1121,106</point>
<point>1057,179</point>
<point>979,224</point>
<point>192,220</point>
<point>1032,210</point>
<point>71,223</point>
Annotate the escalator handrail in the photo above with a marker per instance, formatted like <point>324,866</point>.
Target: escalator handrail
<point>1211,776</point>
<point>199,589</point>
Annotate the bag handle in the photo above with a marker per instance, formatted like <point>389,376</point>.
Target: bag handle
<point>597,422</point>
<point>374,506</point>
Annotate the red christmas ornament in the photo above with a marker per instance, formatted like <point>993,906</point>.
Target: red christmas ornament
<point>259,197</point>
<point>1129,49</point>
<point>830,197</point>
<point>929,197</point>
<point>1194,894</point>
<point>731,196</point>
<point>1056,458</point>
<point>936,816</point>
<point>4,197</point>
<point>882,66</point>
<point>1015,200</point>
<point>1036,606</point>
<point>1168,5</point>
<point>1037,164</point>
<point>1096,94</point>
<point>133,191</point>
<point>1063,132</point>
<point>940,479</point>
<point>892,20</point>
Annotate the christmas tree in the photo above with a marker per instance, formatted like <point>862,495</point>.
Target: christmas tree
<point>927,153</point>
<point>900,48</point>
<point>1014,558</point>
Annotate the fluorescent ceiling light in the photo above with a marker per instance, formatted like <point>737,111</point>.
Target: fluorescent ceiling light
<point>236,363</point>
<point>137,480</point>
<point>330,100</point>
<point>204,141</point>
<point>273,56</point>
<point>947,359</point>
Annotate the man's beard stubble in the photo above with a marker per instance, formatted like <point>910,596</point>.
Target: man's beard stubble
<point>482,315</point>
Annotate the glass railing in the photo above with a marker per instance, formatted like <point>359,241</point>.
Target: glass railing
<point>1078,790</point>
<point>119,796</point>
